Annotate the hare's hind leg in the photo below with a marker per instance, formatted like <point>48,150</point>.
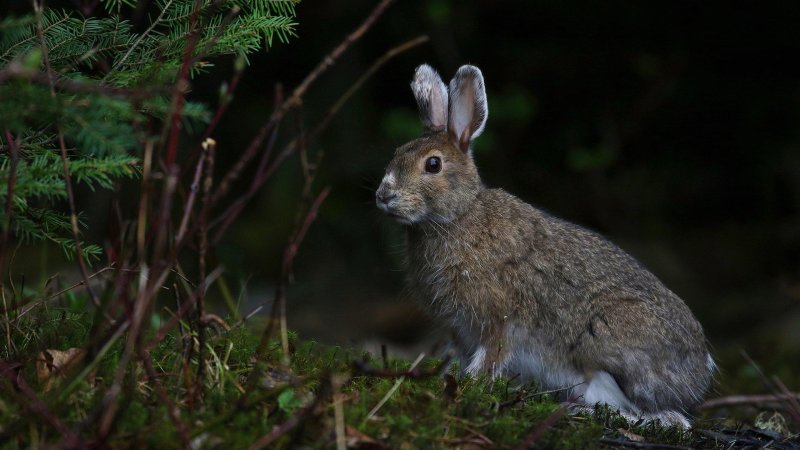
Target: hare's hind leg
<point>603,389</point>
<point>653,370</point>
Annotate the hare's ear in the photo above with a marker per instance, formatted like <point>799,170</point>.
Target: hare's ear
<point>468,107</point>
<point>431,95</point>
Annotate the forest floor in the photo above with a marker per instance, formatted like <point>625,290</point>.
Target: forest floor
<point>316,396</point>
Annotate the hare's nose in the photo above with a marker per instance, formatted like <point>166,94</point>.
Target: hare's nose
<point>385,197</point>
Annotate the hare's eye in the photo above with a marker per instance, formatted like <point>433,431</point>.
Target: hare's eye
<point>433,164</point>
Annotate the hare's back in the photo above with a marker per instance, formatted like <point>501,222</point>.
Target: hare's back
<point>569,262</point>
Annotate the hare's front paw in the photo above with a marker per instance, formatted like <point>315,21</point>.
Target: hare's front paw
<point>475,363</point>
<point>481,362</point>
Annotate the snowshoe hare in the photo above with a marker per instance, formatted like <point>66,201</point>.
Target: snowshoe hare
<point>525,292</point>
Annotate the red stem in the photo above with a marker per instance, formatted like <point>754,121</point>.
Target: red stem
<point>181,87</point>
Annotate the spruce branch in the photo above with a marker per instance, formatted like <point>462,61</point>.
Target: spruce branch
<point>16,71</point>
<point>38,8</point>
<point>139,40</point>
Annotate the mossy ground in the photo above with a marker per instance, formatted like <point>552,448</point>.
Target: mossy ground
<point>320,391</point>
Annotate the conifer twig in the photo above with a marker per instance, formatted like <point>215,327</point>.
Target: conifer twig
<point>139,40</point>
<point>73,215</point>
<point>16,71</point>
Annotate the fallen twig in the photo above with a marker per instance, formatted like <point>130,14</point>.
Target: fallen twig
<point>521,397</point>
<point>742,400</point>
<point>34,405</point>
<point>633,444</point>
<point>297,418</point>
<point>413,372</point>
<point>394,388</point>
<point>540,429</point>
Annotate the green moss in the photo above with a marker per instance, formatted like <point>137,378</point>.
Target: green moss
<point>418,414</point>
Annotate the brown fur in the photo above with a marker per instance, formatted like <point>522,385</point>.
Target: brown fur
<point>542,296</point>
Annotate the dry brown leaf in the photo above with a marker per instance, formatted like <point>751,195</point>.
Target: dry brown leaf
<point>54,364</point>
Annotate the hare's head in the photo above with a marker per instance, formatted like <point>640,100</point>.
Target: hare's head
<point>433,178</point>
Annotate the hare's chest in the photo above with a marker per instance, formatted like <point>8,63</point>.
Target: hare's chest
<point>442,278</point>
<point>455,278</point>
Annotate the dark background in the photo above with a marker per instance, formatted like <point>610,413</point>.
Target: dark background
<point>673,128</point>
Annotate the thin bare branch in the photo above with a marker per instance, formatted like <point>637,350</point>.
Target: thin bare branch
<point>28,400</point>
<point>252,149</point>
<point>13,153</point>
<point>62,291</point>
<point>172,410</point>
<point>193,190</point>
<point>209,147</point>
<point>265,171</point>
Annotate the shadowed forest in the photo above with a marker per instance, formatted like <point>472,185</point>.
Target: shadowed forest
<point>671,128</point>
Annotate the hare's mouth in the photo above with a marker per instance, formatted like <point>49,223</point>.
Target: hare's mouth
<point>399,218</point>
<point>394,214</point>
